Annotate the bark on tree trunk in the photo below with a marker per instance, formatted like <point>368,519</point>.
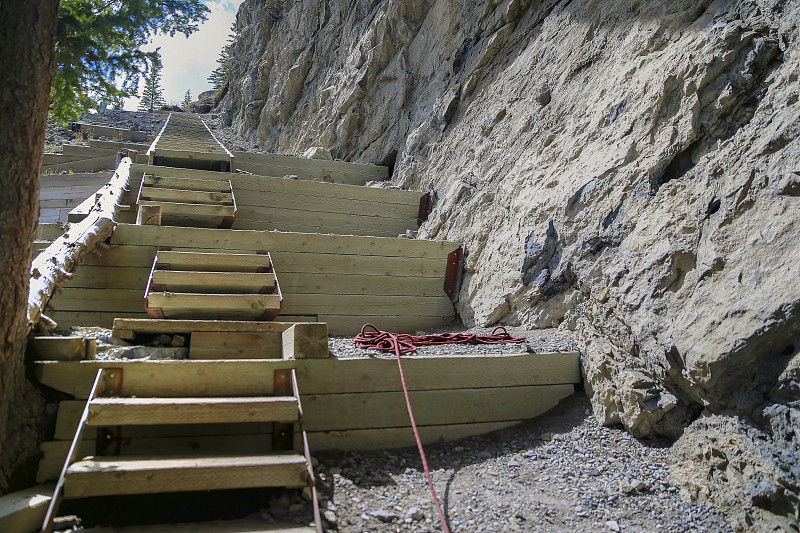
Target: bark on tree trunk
<point>27,35</point>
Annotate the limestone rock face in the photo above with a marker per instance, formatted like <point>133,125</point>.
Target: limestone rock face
<point>629,170</point>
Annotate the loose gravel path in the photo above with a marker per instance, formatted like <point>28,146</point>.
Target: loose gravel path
<point>560,472</point>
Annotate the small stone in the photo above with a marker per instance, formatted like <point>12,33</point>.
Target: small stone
<point>330,517</point>
<point>383,516</point>
<point>415,513</point>
<point>613,525</point>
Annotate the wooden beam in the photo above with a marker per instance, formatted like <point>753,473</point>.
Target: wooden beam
<point>23,511</point>
<point>235,345</point>
<point>374,172</point>
<point>279,242</point>
<point>306,341</point>
<point>317,376</point>
<point>52,267</point>
<point>244,525</point>
<point>232,282</point>
<point>156,411</point>
<point>116,476</point>
<point>42,348</point>
<point>114,145</point>
<point>214,261</point>
<point>189,305</point>
<point>84,165</point>
<point>192,326</point>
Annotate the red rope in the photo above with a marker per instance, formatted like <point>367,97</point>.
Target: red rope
<point>402,343</point>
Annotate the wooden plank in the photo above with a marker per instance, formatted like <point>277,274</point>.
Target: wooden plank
<point>231,282</point>
<point>288,262</point>
<point>192,326</point>
<point>276,241</point>
<point>383,438</point>
<point>44,348</point>
<point>303,174</point>
<point>219,306</point>
<point>187,184</point>
<point>107,131</point>
<point>153,411</point>
<point>267,184</point>
<point>69,413</point>
<point>351,324</point>
<point>68,193</point>
<point>87,152</point>
<point>185,196</point>
<point>188,210</point>
<point>287,161</point>
<point>159,475</point>
<point>213,261</point>
<point>84,165</point>
<point>306,341</point>
<point>235,345</point>
<point>24,511</point>
<point>80,179</point>
<point>316,376</point>
<point>256,218</point>
<point>244,525</point>
<point>211,304</point>
<point>114,145</point>
<point>81,211</point>
<point>49,232</point>
<point>326,412</point>
<point>367,305</point>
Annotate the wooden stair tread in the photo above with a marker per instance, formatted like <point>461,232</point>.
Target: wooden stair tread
<point>161,194</point>
<point>220,526</point>
<point>190,209</point>
<point>157,474</point>
<point>154,411</point>
<point>198,282</point>
<point>213,261</point>
<point>191,184</point>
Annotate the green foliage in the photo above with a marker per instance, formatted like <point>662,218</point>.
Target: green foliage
<point>219,75</point>
<point>98,45</point>
<point>187,99</point>
<point>152,95</point>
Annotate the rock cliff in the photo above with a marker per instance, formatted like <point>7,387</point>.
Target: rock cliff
<point>629,170</point>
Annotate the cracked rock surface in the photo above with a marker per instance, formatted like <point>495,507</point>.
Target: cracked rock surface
<point>627,170</point>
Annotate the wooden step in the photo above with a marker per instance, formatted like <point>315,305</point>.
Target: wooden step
<point>213,306</point>
<point>151,475</point>
<point>213,261</point>
<point>154,411</point>
<point>188,213</point>
<point>247,525</point>
<point>205,282</point>
<point>187,184</point>
<point>185,196</point>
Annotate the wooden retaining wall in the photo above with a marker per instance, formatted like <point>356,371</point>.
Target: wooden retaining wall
<point>345,281</point>
<point>60,193</point>
<point>348,403</point>
<point>268,203</point>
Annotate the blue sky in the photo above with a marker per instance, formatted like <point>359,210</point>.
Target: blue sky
<point>188,61</point>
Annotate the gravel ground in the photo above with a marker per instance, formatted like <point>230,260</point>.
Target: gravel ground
<point>56,136</point>
<point>560,472</point>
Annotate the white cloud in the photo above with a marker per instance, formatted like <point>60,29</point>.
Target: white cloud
<point>188,61</point>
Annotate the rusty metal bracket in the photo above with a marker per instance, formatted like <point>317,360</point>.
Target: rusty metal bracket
<point>453,272</point>
<point>425,208</point>
<point>111,382</point>
<point>282,433</point>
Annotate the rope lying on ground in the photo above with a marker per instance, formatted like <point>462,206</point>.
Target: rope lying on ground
<point>385,342</point>
<point>402,343</point>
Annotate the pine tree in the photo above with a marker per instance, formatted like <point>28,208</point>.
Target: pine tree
<point>98,52</point>
<point>187,100</point>
<point>219,76</point>
<point>152,95</point>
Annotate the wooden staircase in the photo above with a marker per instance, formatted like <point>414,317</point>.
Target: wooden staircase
<point>107,474</point>
<point>219,286</point>
<point>186,202</point>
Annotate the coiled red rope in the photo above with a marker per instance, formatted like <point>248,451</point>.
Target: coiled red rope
<point>401,343</point>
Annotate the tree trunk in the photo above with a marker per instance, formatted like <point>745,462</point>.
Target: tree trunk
<point>27,36</point>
